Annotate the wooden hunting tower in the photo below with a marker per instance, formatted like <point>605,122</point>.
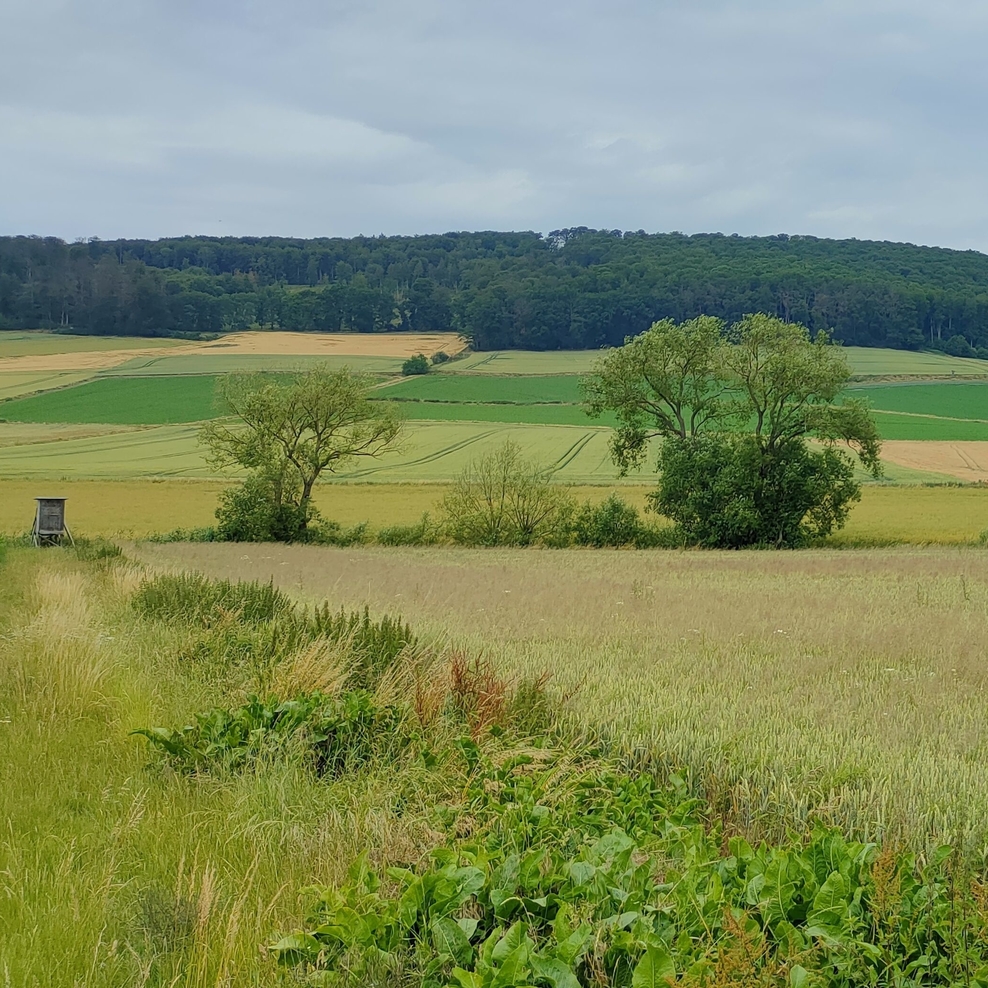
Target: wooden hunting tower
<point>49,522</point>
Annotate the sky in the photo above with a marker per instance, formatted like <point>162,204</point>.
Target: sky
<point>837,118</point>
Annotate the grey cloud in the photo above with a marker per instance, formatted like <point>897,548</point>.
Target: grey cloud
<point>132,118</point>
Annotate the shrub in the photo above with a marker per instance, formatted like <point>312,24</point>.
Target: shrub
<point>613,522</point>
<point>333,533</point>
<point>419,364</point>
<point>207,534</point>
<point>958,346</point>
<point>503,499</point>
<point>374,645</point>
<point>335,734</point>
<point>251,512</point>
<point>97,549</point>
<point>196,599</point>
<point>440,357</point>
<point>421,533</point>
<point>731,491</point>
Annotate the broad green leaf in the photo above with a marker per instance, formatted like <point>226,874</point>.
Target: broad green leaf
<point>449,940</point>
<point>798,977</point>
<point>515,970</point>
<point>572,949</point>
<point>510,942</point>
<point>654,970</point>
<point>296,948</point>
<point>556,972</point>
<point>467,979</point>
<point>829,908</point>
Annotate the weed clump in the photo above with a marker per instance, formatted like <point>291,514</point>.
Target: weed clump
<point>198,600</point>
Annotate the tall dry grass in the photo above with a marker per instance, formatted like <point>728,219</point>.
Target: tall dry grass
<point>845,686</point>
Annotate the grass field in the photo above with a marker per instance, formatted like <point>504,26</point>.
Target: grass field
<point>780,690</point>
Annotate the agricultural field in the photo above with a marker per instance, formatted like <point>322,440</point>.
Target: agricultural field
<point>879,362</point>
<point>522,390</point>
<point>847,686</point>
<point>222,786</point>
<point>887,514</point>
<point>40,344</point>
<point>121,401</point>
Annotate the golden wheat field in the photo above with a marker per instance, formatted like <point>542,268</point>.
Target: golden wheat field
<point>847,686</point>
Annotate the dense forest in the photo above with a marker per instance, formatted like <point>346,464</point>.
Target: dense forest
<point>571,289</point>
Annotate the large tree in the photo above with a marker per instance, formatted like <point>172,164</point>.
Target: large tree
<point>754,427</point>
<point>287,434</point>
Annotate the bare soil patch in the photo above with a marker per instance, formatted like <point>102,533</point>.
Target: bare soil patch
<point>963,460</point>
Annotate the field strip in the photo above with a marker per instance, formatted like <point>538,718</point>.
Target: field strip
<point>965,460</point>
<point>927,415</point>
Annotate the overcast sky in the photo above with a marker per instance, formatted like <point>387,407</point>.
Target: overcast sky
<point>840,118</point>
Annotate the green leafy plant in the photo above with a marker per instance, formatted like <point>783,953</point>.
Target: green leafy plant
<point>334,734</point>
<point>419,364</point>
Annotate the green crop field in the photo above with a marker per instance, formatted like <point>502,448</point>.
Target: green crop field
<point>15,384</point>
<point>476,388</point>
<point>128,401</point>
<point>532,414</point>
<point>879,362</point>
<point>948,411</point>
<point>961,400</point>
<point>432,451</point>
<point>21,344</point>
<point>523,362</point>
<point>864,361</point>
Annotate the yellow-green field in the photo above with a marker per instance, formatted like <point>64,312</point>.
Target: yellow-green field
<point>138,508</point>
<point>24,344</point>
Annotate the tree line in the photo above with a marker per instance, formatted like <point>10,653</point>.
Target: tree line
<point>571,289</point>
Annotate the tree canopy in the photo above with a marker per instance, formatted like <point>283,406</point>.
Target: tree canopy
<point>287,435</point>
<point>571,289</point>
<point>735,411</point>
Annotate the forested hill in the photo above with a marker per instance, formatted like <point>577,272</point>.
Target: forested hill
<point>571,289</point>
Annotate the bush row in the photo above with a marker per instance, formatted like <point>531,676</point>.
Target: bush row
<point>609,523</point>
